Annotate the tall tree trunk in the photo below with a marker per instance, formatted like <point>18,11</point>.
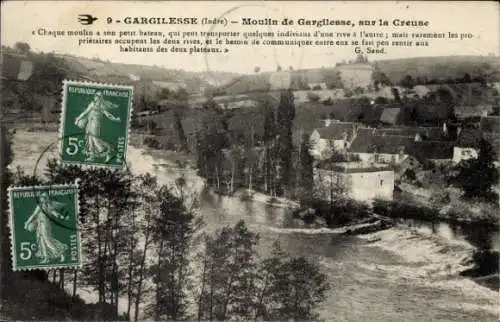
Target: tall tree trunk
<point>202,290</point>
<point>75,279</point>
<point>233,170</point>
<point>61,278</point>
<point>158,283</point>
<point>250,171</point>
<point>141,274</point>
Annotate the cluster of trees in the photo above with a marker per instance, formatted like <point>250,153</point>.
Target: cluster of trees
<point>145,242</point>
<point>409,82</point>
<point>224,158</point>
<point>478,176</point>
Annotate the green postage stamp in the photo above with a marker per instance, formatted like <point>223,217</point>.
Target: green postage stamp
<point>95,120</point>
<point>44,227</point>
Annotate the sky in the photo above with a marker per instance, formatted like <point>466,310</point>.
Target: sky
<point>481,19</point>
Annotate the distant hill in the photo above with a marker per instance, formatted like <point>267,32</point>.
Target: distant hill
<point>119,72</point>
<point>439,67</point>
<point>395,69</point>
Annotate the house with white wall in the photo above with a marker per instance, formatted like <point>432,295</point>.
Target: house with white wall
<point>336,136</point>
<point>466,146</point>
<point>370,147</point>
<point>357,180</point>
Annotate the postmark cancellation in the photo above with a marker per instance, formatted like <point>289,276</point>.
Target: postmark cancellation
<point>95,123</point>
<point>44,227</point>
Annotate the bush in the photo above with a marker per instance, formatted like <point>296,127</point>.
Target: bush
<point>313,97</point>
<point>317,88</point>
<point>328,101</point>
<point>340,211</point>
<point>151,143</point>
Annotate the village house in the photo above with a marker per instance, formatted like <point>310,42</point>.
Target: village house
<point>420,133</point>
<point>356,180</point>
<point>370,147</point>
<point>466,146</point>
<point>337,136</point>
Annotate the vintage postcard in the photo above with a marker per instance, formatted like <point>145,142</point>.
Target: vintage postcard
<point>251,160</point>
<point>44,227</point>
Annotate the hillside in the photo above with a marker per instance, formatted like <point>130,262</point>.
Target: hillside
<point>395,69</point>
<point>439,67</point>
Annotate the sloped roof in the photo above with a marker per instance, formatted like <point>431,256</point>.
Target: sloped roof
<point>490,124</point>
<point>430,133</point>
<point>437,150</point>
<point>368,142</point>
<point>390,115</point>
<point>468,138</point>
<point>335,131</point>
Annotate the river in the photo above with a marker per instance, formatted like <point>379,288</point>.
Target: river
<point>400,274</point>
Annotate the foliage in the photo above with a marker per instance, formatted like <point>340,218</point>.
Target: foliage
<point>151,143</point>
<point>284,120</point>
<point>236,285</point>
<point>313,97</point>
<point>289,288</point>
<point>477,176</point>
<point>173,230</point>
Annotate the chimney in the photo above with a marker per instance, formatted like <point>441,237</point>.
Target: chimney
<point>445,129</point>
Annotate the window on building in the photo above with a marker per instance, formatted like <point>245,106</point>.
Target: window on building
<point>381,182</point>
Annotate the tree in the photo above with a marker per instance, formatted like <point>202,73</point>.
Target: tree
<point>269,141</point>
<point>180,132</point>
<point>395,93</point>
<point>306,167</point>
<point>22,47</point>
<point>5,180</point>
<point>228,274</point>
<point>174,229</point>
<point>288,288</point>
<point>106,199</point>
<point>285,118</point>
<point>407,82</point>
<point>476,177</point>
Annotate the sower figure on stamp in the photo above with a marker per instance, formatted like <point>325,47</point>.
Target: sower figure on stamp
<point>39,222</point>
<point>91,120</point>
